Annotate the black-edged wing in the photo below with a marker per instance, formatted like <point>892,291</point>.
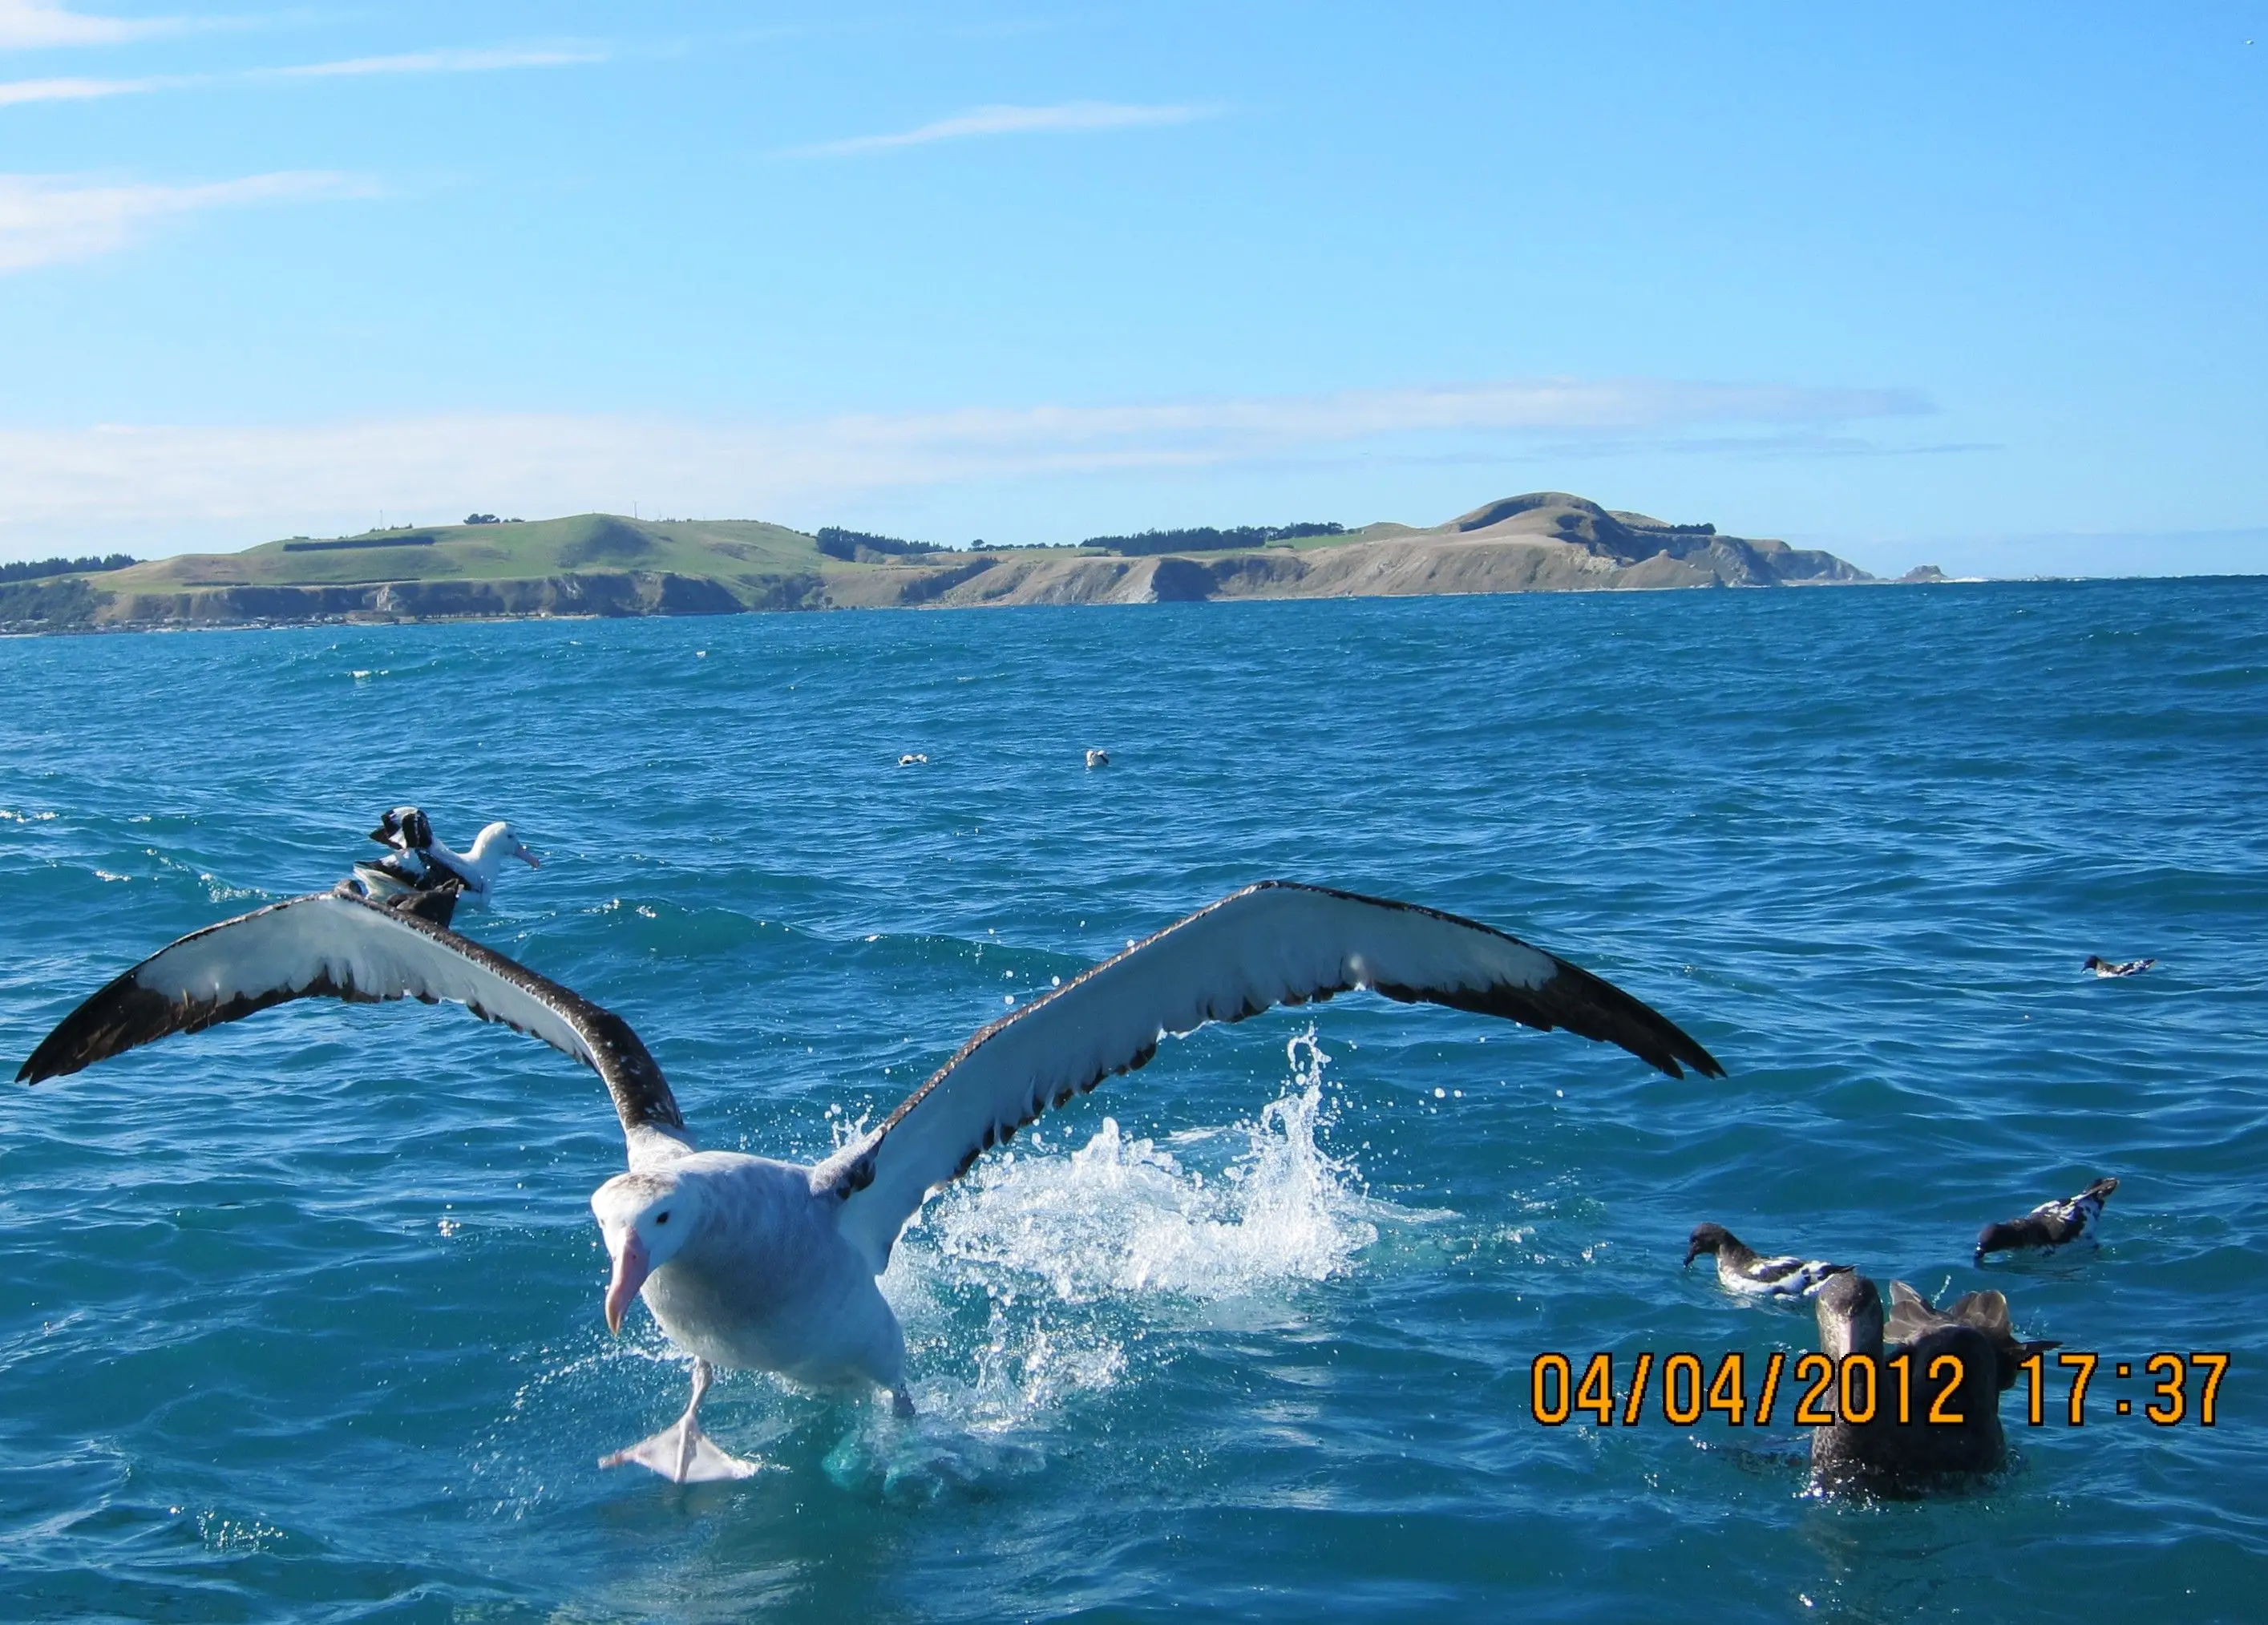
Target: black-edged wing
<point>1275,942</point>
<point>335,946</point>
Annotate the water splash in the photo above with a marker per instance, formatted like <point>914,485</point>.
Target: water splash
<point>1040,1282</point>
<point>1122,1217</point>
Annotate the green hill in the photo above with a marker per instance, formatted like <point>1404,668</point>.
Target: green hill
<point>604,564</point>
<point>728,550</point>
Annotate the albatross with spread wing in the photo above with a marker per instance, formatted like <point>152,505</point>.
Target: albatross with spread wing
<point>752,1263</point>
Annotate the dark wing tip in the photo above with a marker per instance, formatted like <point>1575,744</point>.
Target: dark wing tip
<point>1586,1005</point>
<point>120,1017</point>
<point>1596,1009</point>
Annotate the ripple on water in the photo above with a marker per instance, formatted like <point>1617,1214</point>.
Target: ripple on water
<point>304,1318</point>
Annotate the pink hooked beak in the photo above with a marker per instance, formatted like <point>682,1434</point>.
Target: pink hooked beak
<point>630,1271</point>
<point>534,861</point>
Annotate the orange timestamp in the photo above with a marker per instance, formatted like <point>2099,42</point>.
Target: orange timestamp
<point>1855,1389</point>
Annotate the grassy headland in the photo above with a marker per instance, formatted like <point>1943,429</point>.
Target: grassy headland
<point>604,564</point>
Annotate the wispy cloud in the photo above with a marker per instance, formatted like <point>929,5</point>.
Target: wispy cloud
<point>46,219</point>
<point>1005,120</point>
<point>15,92</point>
<point>503,59</point>
<point>440,61</point>
<point>299,477</point>
<point>28,25</point>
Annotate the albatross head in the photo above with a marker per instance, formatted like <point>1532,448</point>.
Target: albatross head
<point>497,842</point>
<point>645,1219</point>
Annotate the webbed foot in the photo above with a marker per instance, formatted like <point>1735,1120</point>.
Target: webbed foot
<point>683,1454</point>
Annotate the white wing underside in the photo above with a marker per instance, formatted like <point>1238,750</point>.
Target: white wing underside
<point>1271,944</point>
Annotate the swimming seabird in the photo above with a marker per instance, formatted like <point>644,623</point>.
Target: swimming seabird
<point>1911,1315</point>
<point>2102,967</point>
<point>914,759</point>
<point>749,1262</point>
<point>420,862</point>
<point>2050,1225</point>
<point>1098,759</point>
<point>1883,1456</point>
<point>1741,1270</point>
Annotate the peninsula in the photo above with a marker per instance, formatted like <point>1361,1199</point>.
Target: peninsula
<point>604,564</point>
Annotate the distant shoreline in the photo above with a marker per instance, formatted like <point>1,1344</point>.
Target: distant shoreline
<point>604,566</point>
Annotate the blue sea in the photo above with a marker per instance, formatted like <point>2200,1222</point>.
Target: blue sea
<point>302,1315</point>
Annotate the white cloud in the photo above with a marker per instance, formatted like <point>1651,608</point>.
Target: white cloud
<point>46,219</point>
<point>15,93</point>
<point>1005,120</point>
<point>288,477</point>
<point>27,24</point>
<point>438,62</point>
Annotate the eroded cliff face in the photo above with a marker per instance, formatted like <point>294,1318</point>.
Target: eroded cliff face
<point>628,592</point>
<point>1546,541</point>
<point>1395,567</point>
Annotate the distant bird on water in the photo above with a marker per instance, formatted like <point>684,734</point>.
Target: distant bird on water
<point>1098,759</point>
<point>913,758</point>
<point>750,1262</point>
<point>2050,1225</point>
<point>1741,1269</point>
<point>2102,967</point>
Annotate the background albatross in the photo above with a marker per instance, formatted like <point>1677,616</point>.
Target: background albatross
<point>753,1263</point>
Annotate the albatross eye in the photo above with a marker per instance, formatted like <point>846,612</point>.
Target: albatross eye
<point>661,1218</point>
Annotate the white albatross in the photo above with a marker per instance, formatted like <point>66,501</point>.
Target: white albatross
<point>421,862</point>
<point>752,1263</point>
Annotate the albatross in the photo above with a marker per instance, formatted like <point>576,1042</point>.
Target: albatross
<point>418,862</point>
<point>753,1263</point>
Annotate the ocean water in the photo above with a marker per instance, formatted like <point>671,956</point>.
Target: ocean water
<point>302,1318</point>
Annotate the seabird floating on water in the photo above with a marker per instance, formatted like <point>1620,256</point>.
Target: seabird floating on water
<point>2102,967</point>
<point>1741,1270</point>
<point>750,1262</point>
<point>1098,759</point>
<point>914,759</point>
<point>2050,1225</point>
<point>1881,1456</point>
<point>420,862</point>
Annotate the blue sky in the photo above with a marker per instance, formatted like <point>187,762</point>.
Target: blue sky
<point>1978,286</point>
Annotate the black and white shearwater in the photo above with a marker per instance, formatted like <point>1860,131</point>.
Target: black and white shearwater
<point>750,1262</point>
<point>2050,1225</point>
<point>1741,1269</point>
<point>2102,967</point>
<point>1883,1456</point>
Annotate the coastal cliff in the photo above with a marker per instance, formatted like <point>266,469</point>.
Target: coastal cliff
<point>1547,542</point>
<point>602,564</point>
